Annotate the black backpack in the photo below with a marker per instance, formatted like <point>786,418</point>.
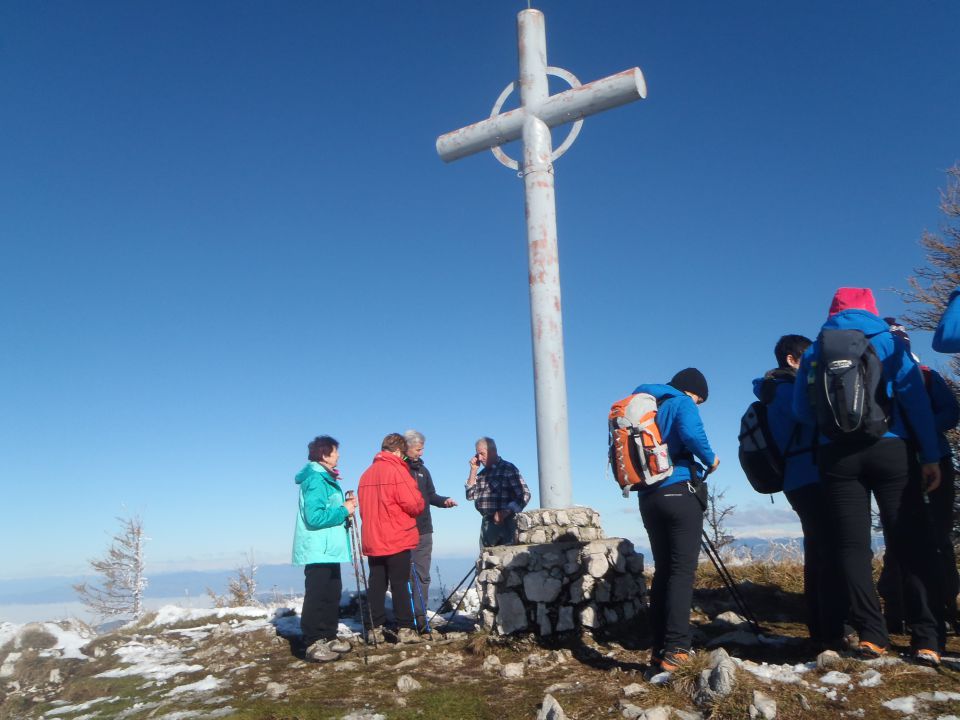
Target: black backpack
<point>761,460</point>
<point>848,388</point>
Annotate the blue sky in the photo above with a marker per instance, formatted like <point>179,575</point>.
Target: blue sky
<point>224,229</point>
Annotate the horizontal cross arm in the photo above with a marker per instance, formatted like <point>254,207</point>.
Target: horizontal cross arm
<point>573,104</point>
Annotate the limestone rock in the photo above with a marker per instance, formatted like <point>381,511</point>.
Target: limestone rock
<point>543,620</point>
<point>511,671</point>
<point>717,680</point>
<point>511,617</point>
<point>729,619</point>
<point>596,565</point>
<point>828,659</point>
<point>345,666</point>
<point>550,709</point>
<point>406,684</point>
<point>634,689</point>
<point>540,587</point>
<point>491,663</point>
<point>565,619</point>
<point>276,690</point>
<point>588,616</point>
<point>763,706</point>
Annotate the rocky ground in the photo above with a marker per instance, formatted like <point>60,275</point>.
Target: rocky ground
<point>246,663</point>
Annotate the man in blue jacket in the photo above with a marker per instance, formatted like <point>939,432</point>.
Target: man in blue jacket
<point>888,468</point>
<point>673,515</point>
<point>946,415</point>
<point>826,606</point>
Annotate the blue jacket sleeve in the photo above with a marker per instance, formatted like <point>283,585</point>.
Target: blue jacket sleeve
<point>947,337</point>
<point>321,508</point>
<point>946,410</point>
<point>690,427</point>
<point>912,399</point>
<point>801,402</point>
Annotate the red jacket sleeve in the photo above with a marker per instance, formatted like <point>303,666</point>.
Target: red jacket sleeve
<point>409,497</point>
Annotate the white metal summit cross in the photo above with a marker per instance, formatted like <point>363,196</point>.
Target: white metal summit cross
<point>538,112</point>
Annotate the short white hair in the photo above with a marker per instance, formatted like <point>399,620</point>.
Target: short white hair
<point>413,437</point>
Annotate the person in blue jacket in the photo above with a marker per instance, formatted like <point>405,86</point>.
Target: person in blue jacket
<point>946,339</point>
<point>320,543</point>
<point>826,607</point>
<point>673,515</point>
<point>890,470</point>
<point>946,415</point>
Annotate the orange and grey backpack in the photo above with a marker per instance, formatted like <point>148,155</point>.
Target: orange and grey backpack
<point>638,454</point>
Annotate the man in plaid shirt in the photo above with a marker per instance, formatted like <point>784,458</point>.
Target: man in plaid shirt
<point>498,492</point>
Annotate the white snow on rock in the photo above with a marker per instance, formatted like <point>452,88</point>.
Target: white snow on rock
<point>835,677</point>
<point>156,662</point>
<point>907,705</point>
<point>206,685</point>
<point>939,696</point>
<point>870,678</point>
<point>773,673</point>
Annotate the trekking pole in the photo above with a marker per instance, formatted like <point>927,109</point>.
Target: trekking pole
<point>722,570</point>
<point>711,552</point>
<point>470,572</point>
<point>363,576</point>
<point>423,605</point>
<point>413,609</point>
<point>356,575</point>
<point>462,597</point>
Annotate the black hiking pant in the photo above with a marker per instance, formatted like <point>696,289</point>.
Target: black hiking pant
<point>946,579</point>
<point>673,517</point>
<point>320,614</point>
<point>826,604</point>
<point>888,470</point>
<point>395,571</point>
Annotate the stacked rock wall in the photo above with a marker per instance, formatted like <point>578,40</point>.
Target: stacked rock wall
<point>579,579</point>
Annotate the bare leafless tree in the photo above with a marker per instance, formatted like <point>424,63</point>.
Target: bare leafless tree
<point>122,572</point>
<point>242,587</point>
<point>716,517</point>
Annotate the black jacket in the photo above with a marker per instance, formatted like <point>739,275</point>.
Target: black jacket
<point>429,492</point>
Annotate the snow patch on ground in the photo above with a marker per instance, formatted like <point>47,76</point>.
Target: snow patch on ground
<point>171,614</point>
<point>906,705</point>
<point>156,662</point>
<point>66,709</point>
<point>206,685</point>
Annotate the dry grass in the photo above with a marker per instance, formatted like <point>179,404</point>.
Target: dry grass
<point>36,639</point>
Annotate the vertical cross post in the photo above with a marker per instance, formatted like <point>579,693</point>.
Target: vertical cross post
<point>546,321</point>
<point>538,112</point>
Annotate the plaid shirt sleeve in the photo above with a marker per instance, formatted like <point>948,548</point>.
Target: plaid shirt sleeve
<point>518,488</point>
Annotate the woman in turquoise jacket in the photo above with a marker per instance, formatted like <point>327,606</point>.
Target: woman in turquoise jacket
<point>320,543</point>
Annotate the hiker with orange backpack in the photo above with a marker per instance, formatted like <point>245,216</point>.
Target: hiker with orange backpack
<point>673,514</point>
<point>867,443</point>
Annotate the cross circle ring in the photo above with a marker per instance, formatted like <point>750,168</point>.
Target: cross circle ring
<point>572,81</point>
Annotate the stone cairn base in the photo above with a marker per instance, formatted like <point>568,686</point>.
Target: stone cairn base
<point>562,575</point>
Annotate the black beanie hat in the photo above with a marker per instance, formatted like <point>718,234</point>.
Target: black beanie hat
<point>690,380</point>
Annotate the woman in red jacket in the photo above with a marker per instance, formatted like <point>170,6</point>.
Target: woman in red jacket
<point>389,504</point>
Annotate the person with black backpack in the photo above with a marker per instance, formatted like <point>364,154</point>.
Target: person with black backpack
<point>673,515</point>
<point>792,462</point>
<point>864,394</point>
